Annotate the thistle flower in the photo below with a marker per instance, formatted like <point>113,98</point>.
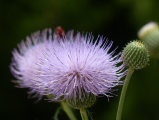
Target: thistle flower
<point>72,68</point>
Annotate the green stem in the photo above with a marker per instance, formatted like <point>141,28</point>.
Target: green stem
<point>84,114</point>
<point>123,93</point>
<point>68,110</point>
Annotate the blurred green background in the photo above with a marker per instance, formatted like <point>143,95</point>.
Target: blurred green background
<point>118,20</point>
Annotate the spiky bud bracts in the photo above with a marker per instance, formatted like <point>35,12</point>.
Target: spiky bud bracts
<point>81,100</point>
<point>135,55</point>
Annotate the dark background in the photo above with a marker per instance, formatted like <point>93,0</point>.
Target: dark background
<point>118,20</point>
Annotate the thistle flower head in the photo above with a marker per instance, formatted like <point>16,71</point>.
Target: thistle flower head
<point>75,68</point>
<point>135,55</point>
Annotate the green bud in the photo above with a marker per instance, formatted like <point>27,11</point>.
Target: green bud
<point>149,34</point>
<point>82,101</point>
<point>135,55</point>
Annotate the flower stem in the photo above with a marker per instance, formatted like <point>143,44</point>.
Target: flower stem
<point>84,114</point>
<point>123,93</point>
<point>68,110</point>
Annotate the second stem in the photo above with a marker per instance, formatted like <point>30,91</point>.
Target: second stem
<point>123,93</point>
<point>68,110</point>
<point>84,114</point>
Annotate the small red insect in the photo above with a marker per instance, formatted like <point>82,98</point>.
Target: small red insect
<point>60,31</point>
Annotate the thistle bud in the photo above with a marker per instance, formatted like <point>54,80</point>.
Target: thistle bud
<point>135,55</point>
<point>149,34</point>
<point>85,100</point>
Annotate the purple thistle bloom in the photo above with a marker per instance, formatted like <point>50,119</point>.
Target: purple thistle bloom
<point>65,67</point>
